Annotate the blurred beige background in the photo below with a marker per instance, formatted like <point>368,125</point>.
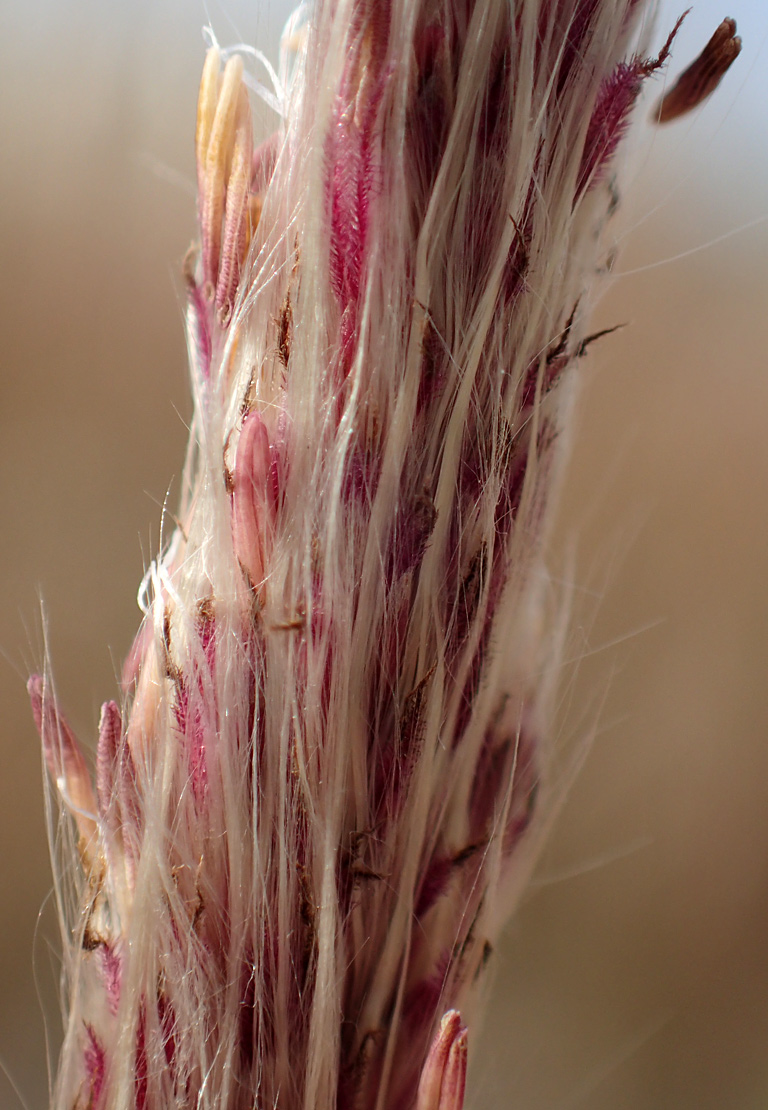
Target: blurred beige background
<point>636,975</point>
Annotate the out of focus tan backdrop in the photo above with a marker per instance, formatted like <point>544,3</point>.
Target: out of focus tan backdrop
<point>636,974</point>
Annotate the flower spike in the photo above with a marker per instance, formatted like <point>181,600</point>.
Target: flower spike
<point>331,771</point>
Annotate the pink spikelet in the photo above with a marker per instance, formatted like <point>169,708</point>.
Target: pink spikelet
<point>332,767</point>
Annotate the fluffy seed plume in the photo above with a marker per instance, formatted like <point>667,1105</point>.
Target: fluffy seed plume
<point>331,770</point>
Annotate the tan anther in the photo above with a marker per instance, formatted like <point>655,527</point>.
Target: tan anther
<point>215,167</point>
<point>206,104</point>
<point>236,218</point>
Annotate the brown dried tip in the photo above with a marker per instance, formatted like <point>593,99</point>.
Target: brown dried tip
<point>702,76</point>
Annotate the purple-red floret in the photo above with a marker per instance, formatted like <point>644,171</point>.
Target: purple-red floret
<point>111,975</point>
<point>610,115</point>
<point>610,119</point>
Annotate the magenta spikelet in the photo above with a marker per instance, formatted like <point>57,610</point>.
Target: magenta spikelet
<point>332,769</point>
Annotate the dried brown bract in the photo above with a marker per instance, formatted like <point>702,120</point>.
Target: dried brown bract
<point>702,76</point>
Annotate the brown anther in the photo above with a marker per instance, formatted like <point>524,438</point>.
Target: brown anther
<point>170,669</point>
<point>197,913</point>
<point>702,76</point>
<point>284,325</point>
<point>91,941</point>
<point>188,266</point>
<point>295,625</point>
<point>206,611</point>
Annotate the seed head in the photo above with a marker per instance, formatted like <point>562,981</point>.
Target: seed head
<point>332,767</point>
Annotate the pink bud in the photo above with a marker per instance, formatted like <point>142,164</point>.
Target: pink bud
<point>441,1086</point>
<point>252,503</point>
<point>107,751</point>
<point>65,761</point>
<point>455,1075</point>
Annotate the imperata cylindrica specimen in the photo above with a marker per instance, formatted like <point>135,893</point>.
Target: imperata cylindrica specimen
<point>328,774</point>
